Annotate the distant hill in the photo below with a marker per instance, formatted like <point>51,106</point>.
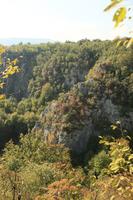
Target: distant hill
<point>12,41</point>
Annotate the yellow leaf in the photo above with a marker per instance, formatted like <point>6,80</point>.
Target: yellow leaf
<point>14,62</point>
<point>2,50</point>
<point>10,71</point>
<point>112,5</point>
<point>130,42</point>
<point>125,149</point>
<point>112,198</point>
<point>114,168</point>
<point>100,137</point>
<point>2,96</point>
<point>119,43</point>
<point>131,169</point>
<point>114,127</point>
<point>2,85</point>
<point>104,142</point>
<point>118,122</point>
<point>125,43</point>
<point>130,157</point>
<point>119,16</point>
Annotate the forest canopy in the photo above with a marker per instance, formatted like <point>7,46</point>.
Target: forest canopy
<point>64,115</point>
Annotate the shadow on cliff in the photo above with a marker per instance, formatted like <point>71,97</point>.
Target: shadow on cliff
<point>82,158</point>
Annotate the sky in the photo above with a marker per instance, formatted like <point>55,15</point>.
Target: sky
<point>58,20</point>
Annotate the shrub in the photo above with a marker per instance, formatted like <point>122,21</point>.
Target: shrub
<point>99,163</point>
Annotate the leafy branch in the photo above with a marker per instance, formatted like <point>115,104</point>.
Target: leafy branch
<point>120,15</point>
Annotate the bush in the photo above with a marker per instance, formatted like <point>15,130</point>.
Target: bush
<point>99,163</point>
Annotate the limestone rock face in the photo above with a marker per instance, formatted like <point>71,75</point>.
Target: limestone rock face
<point>75,117</point>
<point>110,110</point>
<point>86,111</point>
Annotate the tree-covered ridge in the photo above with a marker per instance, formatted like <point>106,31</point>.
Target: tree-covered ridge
<point>66,96</point>
<point>47,70</point>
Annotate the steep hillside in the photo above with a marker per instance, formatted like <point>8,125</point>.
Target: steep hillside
<point>69,112</point>
<point>75,83</point>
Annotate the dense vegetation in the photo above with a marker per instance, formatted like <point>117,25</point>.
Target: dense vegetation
<point>64,97</point>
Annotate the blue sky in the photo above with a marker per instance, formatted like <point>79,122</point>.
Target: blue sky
<point>57,19</point>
